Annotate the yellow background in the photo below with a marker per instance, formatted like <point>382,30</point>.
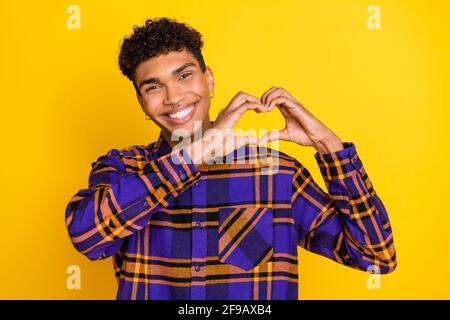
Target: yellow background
<point>64,103</point>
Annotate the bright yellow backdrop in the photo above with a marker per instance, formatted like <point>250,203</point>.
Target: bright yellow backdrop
<point>64,103</point>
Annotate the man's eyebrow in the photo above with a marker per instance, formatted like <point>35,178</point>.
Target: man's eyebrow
<point>174,72</point>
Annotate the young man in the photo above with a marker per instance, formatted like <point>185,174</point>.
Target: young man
<point>180,226</point>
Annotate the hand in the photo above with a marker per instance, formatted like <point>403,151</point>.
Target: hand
<point>301,126</point>
<point>220,136</point>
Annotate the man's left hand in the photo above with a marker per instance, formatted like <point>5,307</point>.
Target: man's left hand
<point>301,126</point>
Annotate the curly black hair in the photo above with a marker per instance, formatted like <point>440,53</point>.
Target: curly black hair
<point>158,36</point>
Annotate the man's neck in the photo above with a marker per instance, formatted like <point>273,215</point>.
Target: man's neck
<point>205,126</point>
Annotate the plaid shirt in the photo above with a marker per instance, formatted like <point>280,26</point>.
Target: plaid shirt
<point>225,231</point>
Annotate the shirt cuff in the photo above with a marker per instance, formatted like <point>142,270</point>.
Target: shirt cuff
<point>340,164</point>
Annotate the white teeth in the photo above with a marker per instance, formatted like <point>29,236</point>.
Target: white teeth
<point>181,114</point>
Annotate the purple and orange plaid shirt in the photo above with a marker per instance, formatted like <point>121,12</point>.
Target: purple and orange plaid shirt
<point>225,231</point>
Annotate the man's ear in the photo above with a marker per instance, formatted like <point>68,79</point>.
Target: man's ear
<point>138,95</point>
<point>209,79</point>
<point>141,102</point>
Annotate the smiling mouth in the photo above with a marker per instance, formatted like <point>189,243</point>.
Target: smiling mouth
<point>183,114</point>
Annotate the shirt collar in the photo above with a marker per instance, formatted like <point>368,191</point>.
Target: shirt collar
<point>161,146</point>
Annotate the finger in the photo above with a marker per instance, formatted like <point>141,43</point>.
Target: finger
<point>243,108</point>
<point>238,100</point>
<point>241,98</point>
<point>258,107</point>
<point>278,93</point>
<point>265,94</point>
<point>297,111</point>
<point>231,117</point>
<point>274,135</point>
<point>286,93</point>
<point>273,95</point>
<point>280,100</point>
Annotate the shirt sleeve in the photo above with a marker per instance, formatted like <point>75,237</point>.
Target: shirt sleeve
<point>349,224</point>
<point>117,204</point>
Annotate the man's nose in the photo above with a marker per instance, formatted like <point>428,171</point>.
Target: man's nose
<point>174,95</point>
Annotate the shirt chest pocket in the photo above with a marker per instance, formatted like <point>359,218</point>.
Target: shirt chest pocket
<point>245,236</point>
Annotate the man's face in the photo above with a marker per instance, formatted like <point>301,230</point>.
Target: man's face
<point>174,91</point>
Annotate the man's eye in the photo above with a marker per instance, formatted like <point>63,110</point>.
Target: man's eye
<point>185,75</point>
<point>151,88</point>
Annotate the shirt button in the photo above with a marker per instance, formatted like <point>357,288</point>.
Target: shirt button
<point>197,267</point>
<point>196,184</point>
<point>199,224</point>
<point>182,175</point>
